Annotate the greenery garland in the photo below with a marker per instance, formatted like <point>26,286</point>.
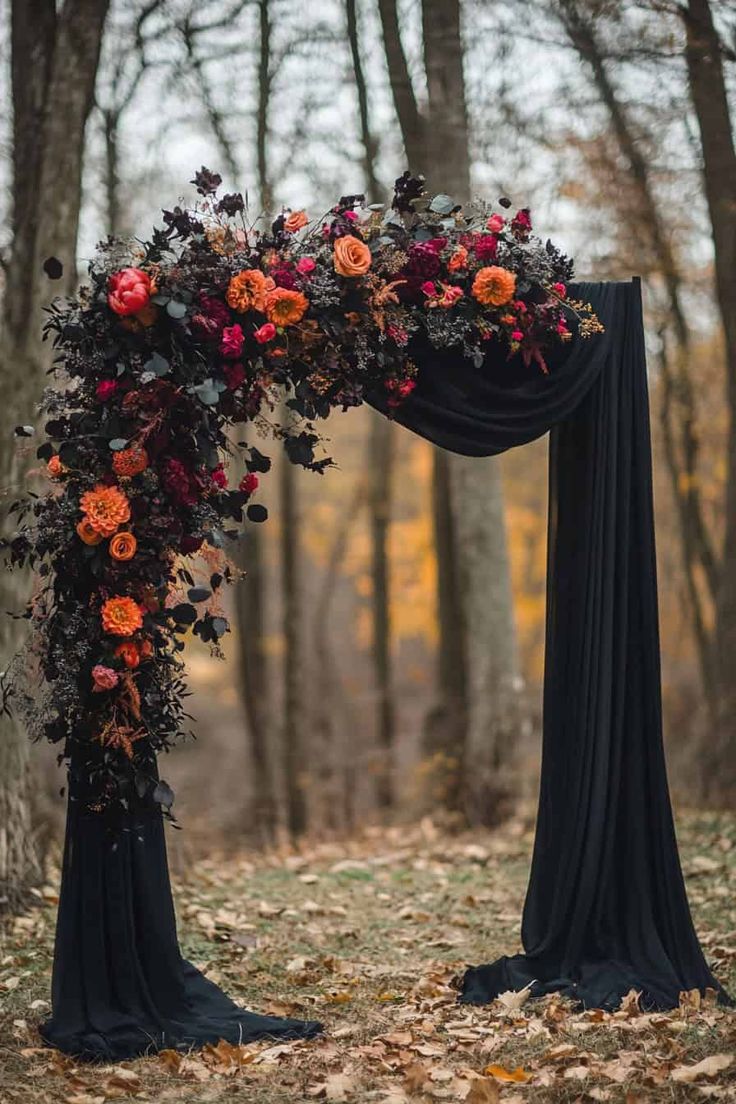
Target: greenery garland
<point>174,342</point>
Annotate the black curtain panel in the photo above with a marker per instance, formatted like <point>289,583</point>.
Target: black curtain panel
<point>606,909</point>
<point>121,987</point>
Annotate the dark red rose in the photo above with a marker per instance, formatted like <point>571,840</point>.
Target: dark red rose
<point>234,375</point>
<point>219,477</point>
<point>485,247</point>
<point>232,341</point>
<point>249,483</point>
<point>284,277</point>
<point>189,544</point>
<point>105,390</point>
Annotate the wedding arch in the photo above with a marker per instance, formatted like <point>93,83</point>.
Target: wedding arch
<point>463,327</point>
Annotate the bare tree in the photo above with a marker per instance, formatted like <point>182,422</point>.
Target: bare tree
<point>468,732</point>
<point>54,59</point>
<point>704,57</point>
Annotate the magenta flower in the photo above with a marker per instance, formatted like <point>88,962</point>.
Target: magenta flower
<point>232,341</point>
<point>265,333</point>
<point>105,390</point>
<point>104,678</point>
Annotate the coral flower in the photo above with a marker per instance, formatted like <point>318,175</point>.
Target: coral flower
<point>265,333</point>
<point>458,260</point>
<point>87,533</point>
<point>103,678</point>
<point>247,291</point>
<point>352,256</point>
<point>285,307</point>
<point>121,616</point>
<point>129,290</point>
<point>295,221</point>
<point>123,547</point>
<point>55,468</point>
<point>494,286</point>
<point>129,653</point>
<point>129,462</point>
<point>106,508</point>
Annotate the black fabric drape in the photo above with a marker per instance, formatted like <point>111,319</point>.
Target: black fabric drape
<point>606,909</point>
<point>120,986</point>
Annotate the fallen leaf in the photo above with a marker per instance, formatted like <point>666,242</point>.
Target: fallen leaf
<point>502,1074</point>
<point>483,1091</point>
<point>709,1067</point>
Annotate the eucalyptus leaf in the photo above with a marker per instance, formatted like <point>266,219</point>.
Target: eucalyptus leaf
<point>117,444</point>
<point>158,365</point>
<point>175,309</point>
<point>442,204</point>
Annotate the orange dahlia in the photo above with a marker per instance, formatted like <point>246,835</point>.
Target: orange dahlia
<point>87,533</point>
<point>129,462</point>
<point>247,291</point>
<point>458,260</point>
<point>123,546</point>
<point>106,508</point>
<point>121,616</point>
<point>494,286</point>
<point>285,307</point>
<point>55,468</point>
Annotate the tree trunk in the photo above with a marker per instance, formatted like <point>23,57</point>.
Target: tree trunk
<point>294,742</point>
<point>381,475</point>
<point>477,634</point>
<point>54,60</point>
<point>710,100</point>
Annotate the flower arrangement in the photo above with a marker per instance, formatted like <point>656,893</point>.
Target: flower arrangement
<point>209,325</point>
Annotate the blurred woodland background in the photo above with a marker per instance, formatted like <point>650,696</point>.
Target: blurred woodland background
<point>389,649</point>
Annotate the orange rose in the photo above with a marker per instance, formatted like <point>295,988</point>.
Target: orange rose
<point>247,291</point>
<point>131,461</point>
<point>494,286</point>
<point>106,508</point>
<point>121,616</point>
<point>352,256</point>
<point>458,260</point>
<point>87,533</point>
<point>295,221</point>
<point>123,546</point>
<point>129,653</point>
<point>285,307</point>
<point>55,468</point>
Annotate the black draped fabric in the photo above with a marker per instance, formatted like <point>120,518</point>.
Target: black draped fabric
<point>121,987</point>
<point>606,909</point>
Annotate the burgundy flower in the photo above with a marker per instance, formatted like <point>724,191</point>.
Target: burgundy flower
<point>210,319</point>
<point>521,223</point>
<point>105,390</point>
<point>234,375</point>
<point>284,277</point>
<point>231,344</point>
<point>189,544</point>
<point>179,483</point>
<point>424,261</point>
<point>249,483</point>
<point>485,247</point>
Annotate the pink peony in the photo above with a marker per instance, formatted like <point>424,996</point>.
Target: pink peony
<point>128,291</point>
<point>249,483</point>
<point>104,678</point>
<point>495,223</point>
<point>232,341</point>
<point>265,333</point>
<point>305,266</point>
<point>105,390</point>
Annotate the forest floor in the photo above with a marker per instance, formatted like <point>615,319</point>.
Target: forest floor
<point>367,936</point>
